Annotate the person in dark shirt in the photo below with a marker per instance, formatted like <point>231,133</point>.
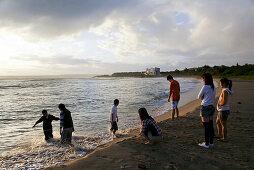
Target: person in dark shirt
<point>47,126</point>
<point>66,124</point>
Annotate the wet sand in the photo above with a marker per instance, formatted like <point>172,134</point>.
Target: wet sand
<point>179,147</point>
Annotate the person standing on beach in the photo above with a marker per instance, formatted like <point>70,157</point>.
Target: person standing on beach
<point>66,124</point>
<point>174,94</point>
<point>114,118</point>
<point>223,107</point>
<point>47,126</point>
<point>207,95</point>
<point>150,129</point>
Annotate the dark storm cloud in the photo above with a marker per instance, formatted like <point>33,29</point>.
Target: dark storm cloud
<point>53,18</point>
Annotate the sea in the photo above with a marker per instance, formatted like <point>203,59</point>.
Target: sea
<point>89,100</point>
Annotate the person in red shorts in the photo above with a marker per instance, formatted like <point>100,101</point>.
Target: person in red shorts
<point>174,94</point>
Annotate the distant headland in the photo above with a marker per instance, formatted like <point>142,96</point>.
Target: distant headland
<point>245,71</point>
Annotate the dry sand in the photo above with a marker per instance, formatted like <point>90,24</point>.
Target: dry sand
<point>179,147</point>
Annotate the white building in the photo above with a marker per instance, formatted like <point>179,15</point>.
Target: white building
<point>153,71</point>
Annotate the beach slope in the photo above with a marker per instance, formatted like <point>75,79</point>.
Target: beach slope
<point>179,148</point>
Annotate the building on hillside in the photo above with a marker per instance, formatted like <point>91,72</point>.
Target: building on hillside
<point>153,71</point>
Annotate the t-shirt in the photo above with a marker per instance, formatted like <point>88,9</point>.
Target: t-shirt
<point>113,114</point>
<point>175,88</point>
<point>207,94</point>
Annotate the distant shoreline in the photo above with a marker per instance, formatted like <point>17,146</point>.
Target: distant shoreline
<point>162,76</point>
<point>50,76</point>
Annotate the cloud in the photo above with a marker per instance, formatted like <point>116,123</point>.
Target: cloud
<point>53,18</point>
<point>214,30</point>
<point>55,65</point>
<point>131,34</point>
<point>57,60</point>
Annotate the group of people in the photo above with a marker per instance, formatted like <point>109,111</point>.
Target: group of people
<point>66,124</point>
<point>150,129</point>
<point>207,95</point>
<point>152,132</point>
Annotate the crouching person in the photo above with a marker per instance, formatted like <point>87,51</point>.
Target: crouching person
<point>150,129</point>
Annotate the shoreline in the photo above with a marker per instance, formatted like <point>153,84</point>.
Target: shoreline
<point>84,144</point>
<point>134,133</point>
<point>178,148</point>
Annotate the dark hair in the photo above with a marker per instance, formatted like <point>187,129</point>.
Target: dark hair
<point>143,114</point>
<point>169,77</point>
<point>44,111</point>
<point>226,82</point>
<point>116,101</point>
<point>61,106</point>
<point>208,78</point>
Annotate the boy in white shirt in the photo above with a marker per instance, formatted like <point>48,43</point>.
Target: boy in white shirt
<point>114,117</point>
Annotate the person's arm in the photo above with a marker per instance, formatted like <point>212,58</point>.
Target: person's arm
<point>201,93</point>
<point>169,95</point>
<point>55,118</point>
<point>112,113</point>
<point>144,127</point>
<point>61,121</point>
<point>116,117</point>
<point>112,117</point>
<point>224,98</point>
<point>39,121</point>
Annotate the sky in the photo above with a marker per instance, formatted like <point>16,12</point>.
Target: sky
<point>56,37</point>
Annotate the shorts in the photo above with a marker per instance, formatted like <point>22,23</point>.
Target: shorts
<point>207,111</point>
<point>114,126</point>
<point>66,135</point>
<point>223,115</point>
<point>174,104</point>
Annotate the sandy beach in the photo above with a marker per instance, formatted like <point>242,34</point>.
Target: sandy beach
<point>179,147</point>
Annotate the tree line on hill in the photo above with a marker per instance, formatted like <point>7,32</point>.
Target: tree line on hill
<point>218,71</point>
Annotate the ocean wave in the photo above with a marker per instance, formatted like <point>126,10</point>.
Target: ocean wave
<point>11,87</point>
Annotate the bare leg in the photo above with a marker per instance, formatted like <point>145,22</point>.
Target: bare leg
<point>177,112</point>
<point>224,129</point>
<point>173,114</point>
<point>218,127</point>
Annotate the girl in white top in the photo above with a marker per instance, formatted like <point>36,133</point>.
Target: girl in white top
<point>223,108</point>
<point>207,95</point>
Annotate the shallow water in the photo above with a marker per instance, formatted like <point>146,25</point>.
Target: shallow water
<point>89,100</point>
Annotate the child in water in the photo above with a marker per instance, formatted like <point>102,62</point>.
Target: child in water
<point>114,118</point>
<point>47,126</point>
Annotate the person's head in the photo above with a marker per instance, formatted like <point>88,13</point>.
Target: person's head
<point>116,102</point>
<point>44,112</point>
<point>226,83</point>
<point>170,78</point>
<point>143,114</point>
<point>208,79</point>
<point>61,106</point>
